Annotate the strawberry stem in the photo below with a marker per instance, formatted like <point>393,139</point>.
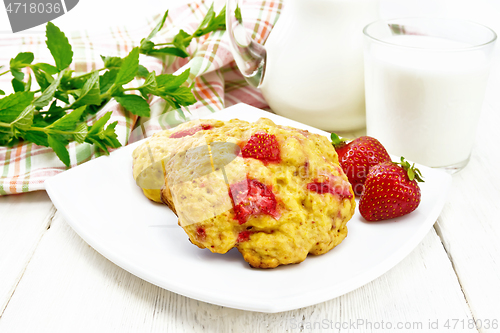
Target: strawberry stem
<point>411,171</point>
<point>337,142</point>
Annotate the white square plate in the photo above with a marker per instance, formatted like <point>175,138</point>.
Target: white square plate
<point>102,203</point>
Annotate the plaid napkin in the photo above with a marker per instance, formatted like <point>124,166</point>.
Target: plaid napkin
<point>218,83</point>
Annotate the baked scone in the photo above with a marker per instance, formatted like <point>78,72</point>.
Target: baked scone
<point>274,192</point>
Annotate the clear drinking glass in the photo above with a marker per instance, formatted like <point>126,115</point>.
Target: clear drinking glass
<point>425,81</point>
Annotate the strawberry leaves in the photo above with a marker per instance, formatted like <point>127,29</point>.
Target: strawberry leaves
<point>411,171</point>
<point>337,142</point>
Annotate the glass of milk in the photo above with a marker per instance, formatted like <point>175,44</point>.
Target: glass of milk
<point>425,81</point>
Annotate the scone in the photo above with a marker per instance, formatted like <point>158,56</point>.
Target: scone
<point>274,192</point>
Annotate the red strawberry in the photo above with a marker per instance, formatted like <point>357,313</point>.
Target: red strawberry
<point>244,236</point>
<point>262,146</point>
<point>357,157</point>
<point>251,197</point>
<point>391,190</point>
<point>190,131</point>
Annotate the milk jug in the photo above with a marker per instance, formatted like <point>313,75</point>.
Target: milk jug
<point>311,66</point>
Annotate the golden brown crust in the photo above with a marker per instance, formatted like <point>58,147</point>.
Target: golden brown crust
<point>166,198</point>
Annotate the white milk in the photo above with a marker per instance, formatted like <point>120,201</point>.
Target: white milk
<point>425,104</point>
<point>314,71</point>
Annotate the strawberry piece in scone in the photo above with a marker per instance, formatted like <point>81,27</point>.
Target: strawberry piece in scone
<point>190,131</point>
<point>251,197</point>
<point>262,146</point>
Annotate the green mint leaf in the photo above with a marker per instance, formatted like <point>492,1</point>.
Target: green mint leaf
<point>62,96</point>
<point>48,94</point>
<point>12,105</point>
<point>208,18</point>
<point>59,46</point>
<point>25,119</point>
<point>27,86</point>
<point>58,144</point>
<point>39,120</point>
<point>157,28</point>
<point>149,86</point>
<point>92,109</point>
<point>166,82</point>
<point>237,14</point>
<point>99,124</point>
<point>182,95</point>
<point>17,85</point>
<point>182,40</point>
<point>177,108</point>
<point>69,121</point>
<point>112,62</point>
<point>68,82</point>
<point>93,97</point>
<point>169,50</point>
<point>129,68</point>
<point>2,92</point>
<point>37,137</point>
<point>45,118</point>
<point>142,72</point>
<point>17,73</point>
<point>110,137</point>
<point>101,137</point>
<point>90,93</point>
<point>49,69</point>
<point>107,80</point>
<point>219,23</point>
<point>135,104</point>
<point>144,94</point>
<point>5,138</point>
<point>43,79</point>
<point>211,22</point>
<point>80,133</point>
<point>97,142</point>
<point>146,46</point>
<point>22,60</point>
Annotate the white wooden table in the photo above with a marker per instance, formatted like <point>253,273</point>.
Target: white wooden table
<point>52,281</point>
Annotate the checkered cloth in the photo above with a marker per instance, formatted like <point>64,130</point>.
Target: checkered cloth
<point>218,83</point>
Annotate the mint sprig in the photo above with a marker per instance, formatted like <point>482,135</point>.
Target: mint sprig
<point>55,112</point>
<point>178,46</point>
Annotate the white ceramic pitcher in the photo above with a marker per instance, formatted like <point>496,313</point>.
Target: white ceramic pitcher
<point>311,67</point>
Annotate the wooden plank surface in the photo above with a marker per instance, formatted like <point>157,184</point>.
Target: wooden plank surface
<point>470,225</point>
<point>23,221</point>
<point>69,287</point>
